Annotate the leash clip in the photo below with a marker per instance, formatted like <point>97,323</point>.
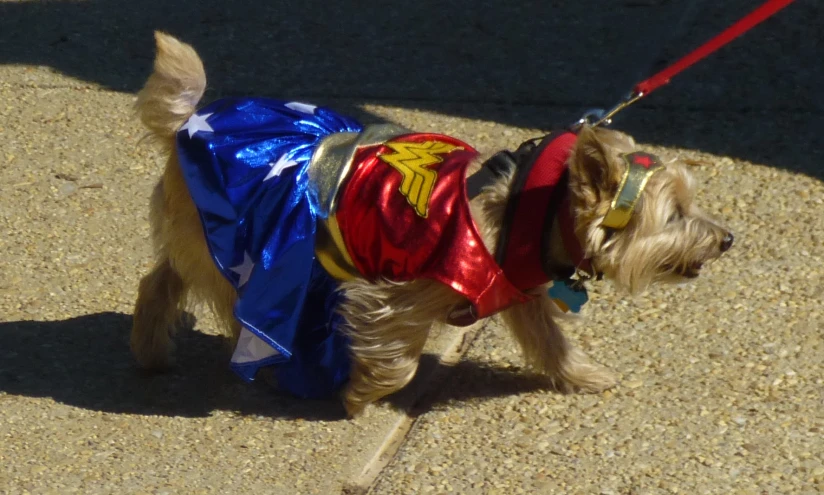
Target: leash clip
<point>590,116</point>
<point>598,116</point>
<point>628,100</point>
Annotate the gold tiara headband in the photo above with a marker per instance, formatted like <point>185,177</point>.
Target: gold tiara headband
<point>640,167</point>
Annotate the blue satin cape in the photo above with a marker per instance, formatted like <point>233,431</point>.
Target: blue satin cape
<point>245,163</point>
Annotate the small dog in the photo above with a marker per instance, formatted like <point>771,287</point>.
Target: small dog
<point>328,250</point>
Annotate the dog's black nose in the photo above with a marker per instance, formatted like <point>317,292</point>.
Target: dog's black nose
<point>726,244</point>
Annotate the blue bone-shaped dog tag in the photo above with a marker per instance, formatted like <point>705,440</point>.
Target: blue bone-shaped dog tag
<point>568,294</point>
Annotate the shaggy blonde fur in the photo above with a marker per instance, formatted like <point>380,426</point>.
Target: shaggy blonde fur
<point>668,239</point>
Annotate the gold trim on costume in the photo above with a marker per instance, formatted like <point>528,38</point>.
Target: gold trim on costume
<point>332,253</point>
<point>412,160</point>
<point>332,160</point>
<point>328,170</point>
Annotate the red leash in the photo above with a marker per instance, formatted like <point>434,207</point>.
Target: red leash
<point>745,24</point>
<point>647,86</point>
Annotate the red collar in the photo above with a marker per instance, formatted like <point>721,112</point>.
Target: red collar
<point>539,196</point>
<point>571,243</point>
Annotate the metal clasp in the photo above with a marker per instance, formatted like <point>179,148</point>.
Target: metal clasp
<point>590,116</point>
<point>597,116</point>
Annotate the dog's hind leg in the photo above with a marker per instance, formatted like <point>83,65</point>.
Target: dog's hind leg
<point>388,324</point>
<point>155,316</point>
<point>160,293</point>
<point>547,351</point>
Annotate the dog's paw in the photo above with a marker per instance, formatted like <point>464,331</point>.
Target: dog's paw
<point>580,374</point>
<point>354,408</point>
<point>156,364</point>
<point>153,357</point>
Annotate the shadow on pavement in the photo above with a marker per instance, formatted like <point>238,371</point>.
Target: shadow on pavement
<point>530,63</point>
<point>85,362</point>
<point>463,381</point>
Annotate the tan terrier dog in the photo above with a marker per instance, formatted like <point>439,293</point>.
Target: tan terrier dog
<point>328,250</point>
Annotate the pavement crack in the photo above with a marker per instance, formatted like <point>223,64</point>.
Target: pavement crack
<point>420,403</point>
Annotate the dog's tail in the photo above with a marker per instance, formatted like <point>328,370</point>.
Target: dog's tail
<point>173,90</point>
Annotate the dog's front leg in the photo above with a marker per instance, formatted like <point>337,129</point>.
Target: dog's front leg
<point>534,325</point>
<point>388,324</point>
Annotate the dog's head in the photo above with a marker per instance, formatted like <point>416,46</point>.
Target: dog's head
<point>642,226</point>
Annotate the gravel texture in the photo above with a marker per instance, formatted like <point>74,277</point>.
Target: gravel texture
<point>76,415</point>
<point>721,386</point>
<point>722,382</point>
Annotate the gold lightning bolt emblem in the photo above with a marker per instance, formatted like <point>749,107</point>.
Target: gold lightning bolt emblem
<point>411,160</point>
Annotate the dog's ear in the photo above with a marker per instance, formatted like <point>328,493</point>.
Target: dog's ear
<point>595,169</point>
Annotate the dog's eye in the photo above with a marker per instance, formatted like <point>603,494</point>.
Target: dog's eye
<point>676,215</point>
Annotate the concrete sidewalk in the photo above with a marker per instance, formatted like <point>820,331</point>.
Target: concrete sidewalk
<point>721,386</point>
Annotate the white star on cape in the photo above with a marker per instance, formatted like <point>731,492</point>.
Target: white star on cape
<point>250,348</point>
<point>244,269</point>
<point>197,123</point>
<point>301,107</point>
<point>277,167</point>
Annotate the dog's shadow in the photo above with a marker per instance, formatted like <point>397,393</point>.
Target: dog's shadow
<point>85,362</point>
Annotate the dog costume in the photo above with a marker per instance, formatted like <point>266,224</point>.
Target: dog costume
<point>295,198</point>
